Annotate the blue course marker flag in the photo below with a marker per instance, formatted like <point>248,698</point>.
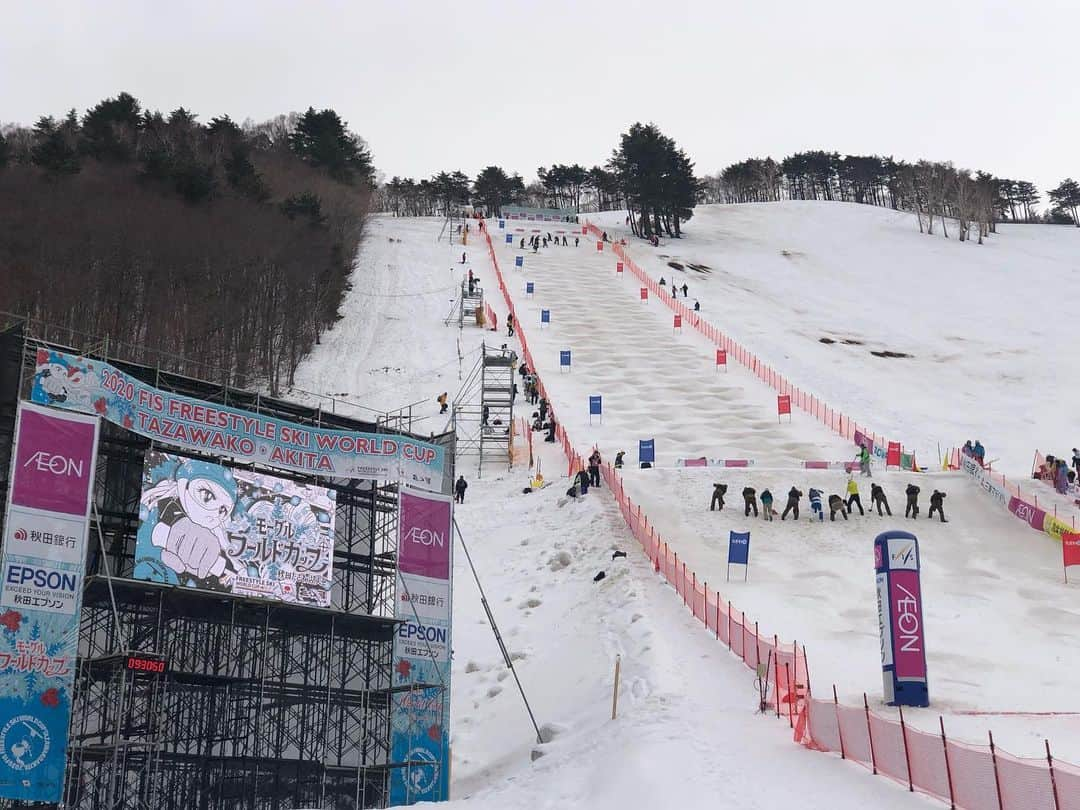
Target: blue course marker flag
<point>529,289</point>
<point>595,406</point>
<point>502,224</point>
<point>519,261</point>
<point>564,357</point>
<point>509,239</point>
<point>738,551</point>
<point>646,451</point>
<point>545,317</point>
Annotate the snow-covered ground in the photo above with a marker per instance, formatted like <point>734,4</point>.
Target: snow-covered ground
<point>1000,621</point>
<point>988,327</point>
<point>687,735</point>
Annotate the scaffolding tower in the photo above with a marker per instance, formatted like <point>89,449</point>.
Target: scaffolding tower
<point>256,704</point>
<point>483,410</point>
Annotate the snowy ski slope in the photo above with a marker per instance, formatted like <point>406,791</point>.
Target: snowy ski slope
<point>999,619</point>
<point>686,736</point>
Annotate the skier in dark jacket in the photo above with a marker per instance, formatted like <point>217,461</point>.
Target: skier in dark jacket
<point>749,495</point>
<point>936,503</point>
<point>510,325</point>
<point>912,509</point>
<point>459,489</point>
<point>543,408</point>
<point>551,432</point>
<point>792,504</point>
<point>815,503</point>
<point>766,504</point>
<point>583,481</point>
<point>836,504</point>
<point>718,493</point>
<point>685,291</point>
<point>619,459</point>
<point>878,499</point>
<point>594,469</point>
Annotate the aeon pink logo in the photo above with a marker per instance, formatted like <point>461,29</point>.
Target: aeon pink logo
<point>1025,511</point>
<point>55,464</point>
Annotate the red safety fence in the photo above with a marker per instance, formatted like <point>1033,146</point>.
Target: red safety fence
<point>491,320</point>
<point>835,420</point>
<point>970,777</point>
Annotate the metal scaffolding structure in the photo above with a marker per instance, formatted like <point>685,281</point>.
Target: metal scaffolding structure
<point>483,409</point>
<point>259,705</point>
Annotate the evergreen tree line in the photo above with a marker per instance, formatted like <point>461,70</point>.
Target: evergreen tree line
<point>226,245</point>
<point>933,190</point>
<point>647,174</point>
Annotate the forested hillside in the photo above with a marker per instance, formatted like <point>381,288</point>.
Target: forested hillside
<point>228,246</point>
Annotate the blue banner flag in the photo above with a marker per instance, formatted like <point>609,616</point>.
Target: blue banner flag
<point>646,451</point>
<point>502,224</point>
<point>519,261</point>
<point>738,548</point>
<point>595,406</point>
<point>509,239</point>
<point>529,289</point>
<point>545,317</point>
<point>564,357</point>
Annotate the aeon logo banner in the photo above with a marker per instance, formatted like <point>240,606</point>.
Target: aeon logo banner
<point>54,461</point>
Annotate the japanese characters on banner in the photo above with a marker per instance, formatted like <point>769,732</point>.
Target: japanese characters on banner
<point>420,716</point>
<point>98,388</point>
<point>206,526</point>
<point>42,568</point>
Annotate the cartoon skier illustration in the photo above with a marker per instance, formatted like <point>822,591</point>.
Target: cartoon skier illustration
<point>188,508</point>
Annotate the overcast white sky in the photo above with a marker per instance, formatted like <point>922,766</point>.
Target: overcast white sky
<point>444,85</point>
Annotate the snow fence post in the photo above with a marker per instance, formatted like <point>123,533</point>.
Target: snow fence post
<point>997,778</point>
<point>729,625</point>
<point>948,767</point>
<point>776,691</point>
<point>790,703</point>
<point>839,729</point>
<point>870,734</point>
<point>1053,780</point>
<point>907,756</point>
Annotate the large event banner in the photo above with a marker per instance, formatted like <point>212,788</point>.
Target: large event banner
<point>98,388</point>
<point>203,525</point>
<point>420,714</point>
<point>41,583</point>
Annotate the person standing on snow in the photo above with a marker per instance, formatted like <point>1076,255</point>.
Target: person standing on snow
<point>510,325</point>
<point>463,258</point>
<point>792,504</point>
<point>878,499</point>
<point>936,503</point>
<point>619,459</point>
<point>594,469</point>
<point>459,489</point>
<point>442,402</point>
<point>718,493</point>
<point>836,504</point>
<point>853,495</point>
<point>912,509</point>
<point>749,495</point>
<point>815,503</point>
<point>766,504</point>
<point>685,290</point>
<point>864,460</point>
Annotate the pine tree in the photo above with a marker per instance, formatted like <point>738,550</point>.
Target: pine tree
<point>5,151</point>
<point>54,149</point>
<point>110,129</point>
<point>322,139</point>
<point>1067,197</point>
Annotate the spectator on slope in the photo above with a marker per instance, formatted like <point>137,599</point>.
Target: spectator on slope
<point>836,504</point>
<point>878,499</point>
<point>853,495</point>
<point>510,325</point>
<point>459,489</point>
<point>523,243</point>
<point>576,240</point>
<point>749,495</point>
<point>441,399</point>
<point>815,503</point>
<point>594,469</point>
<point>766,504</point>
<point>551,431</point>
<point>968,449</point>
<point>537,425</point>
<point>912,509</point>
<point>1061,478</point>
<point>718,493</point>
<point>936,502</point>
<point>619,459</point>
<point>685,290</point>
<point>564,241</point>
<point>484,412</point>
<point>792,504</point>
<point>697,306</point>
<point>604,236</point>
<point>864,460</point>
<point>1046,470</point>
<point>979,452</point>
<point>1076,460</point>
<point>583,481</point>
<point>663,282</point>
<point>463,258</point>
